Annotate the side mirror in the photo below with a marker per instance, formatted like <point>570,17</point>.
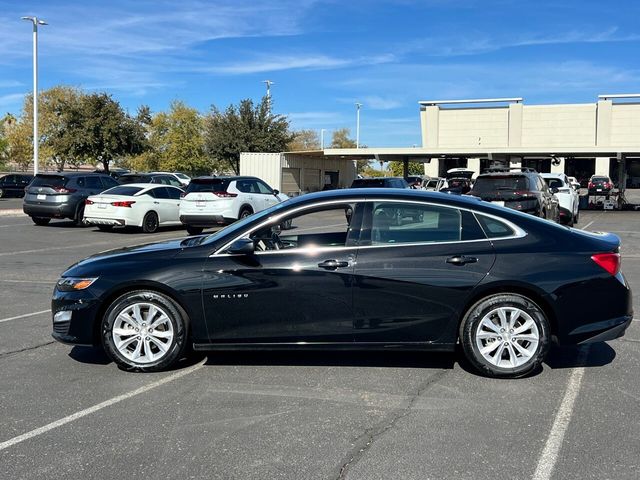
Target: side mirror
<point>242,246</point>
<point>276,191</point>
<point>554,190</point>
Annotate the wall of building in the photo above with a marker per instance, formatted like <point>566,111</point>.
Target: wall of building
<point>550,126</point>
<point>460,127</point>
<point>262,165</point>
<point>625,124</point>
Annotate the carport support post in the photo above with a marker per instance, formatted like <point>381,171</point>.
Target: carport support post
<point>405,167</point>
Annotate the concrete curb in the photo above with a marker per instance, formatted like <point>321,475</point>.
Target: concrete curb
<point>11,212</point>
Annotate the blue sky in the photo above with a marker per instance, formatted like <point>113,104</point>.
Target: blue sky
<point>325,55</point>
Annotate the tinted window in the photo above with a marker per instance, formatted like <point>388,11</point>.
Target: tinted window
<point>318,227</point>
<point>174,193</point>
<point>263,187</point>
<point>161,192</point>
<point>494,228</point>
<point>108,182</point>
<point>49,181</point>
<point>93,182</point>
<point>502,182</point>
<point>152,193</point>
<point>600,179</point>
<point>554,182</point>
<point>245,186</point>
<point>123,190</point>
<point>208,185</point>
<point>133,179</point>
<point>368,183</point>
<point>394,223</point>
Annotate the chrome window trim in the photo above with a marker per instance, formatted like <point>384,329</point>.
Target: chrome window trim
<point>518,232</point>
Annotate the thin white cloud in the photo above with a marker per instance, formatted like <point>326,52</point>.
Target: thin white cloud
<point>275,62</point>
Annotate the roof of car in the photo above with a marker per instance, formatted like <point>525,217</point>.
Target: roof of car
<point>70,174</point>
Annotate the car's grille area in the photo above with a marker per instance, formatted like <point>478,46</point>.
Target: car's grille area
<point>61,328</point>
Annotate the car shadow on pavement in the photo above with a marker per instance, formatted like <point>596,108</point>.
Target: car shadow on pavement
<point>573,356</point>
<point>90,355</point>
<point>334,358</point>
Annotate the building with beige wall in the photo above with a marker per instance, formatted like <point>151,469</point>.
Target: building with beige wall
<point>580,140</point>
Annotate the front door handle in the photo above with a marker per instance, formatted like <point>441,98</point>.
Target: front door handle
<point>333,264</point>
<point>461,260</point>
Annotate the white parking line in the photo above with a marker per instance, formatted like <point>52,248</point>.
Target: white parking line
<point>33,314</point>
<point>587,225</point>
<point>549,456</point>
<point>88,411</point>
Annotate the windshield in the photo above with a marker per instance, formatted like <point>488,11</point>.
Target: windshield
<point>506,182</point>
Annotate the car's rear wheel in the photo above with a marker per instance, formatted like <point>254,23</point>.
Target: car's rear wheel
<point>1,193</point>
<point>505,335</point>
<point>194,230</point>
<point>144,331</point>
<point>41,220</point>
<point>150,222</point>
<point>245,212</point>
<point>79,219</point>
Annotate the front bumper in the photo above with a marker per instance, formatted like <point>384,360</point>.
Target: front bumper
<point>81,328</point>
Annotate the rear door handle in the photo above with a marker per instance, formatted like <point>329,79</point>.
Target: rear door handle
<point>461,260</point>
<point>157,203</point>
<point>333,264</point>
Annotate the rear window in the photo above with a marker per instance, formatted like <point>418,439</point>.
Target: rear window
<point>123,190</point>
<point>208,185</point>
<point>502,182</point>
<point>368,183</point>
<point>53,181</point>
<point>600,179</point>
<point>554,182</point>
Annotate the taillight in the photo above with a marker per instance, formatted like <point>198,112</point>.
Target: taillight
<point>225,194</point>
<point>88,202</point>
<point>609,261</point>
<point>64,190</point>
<point>591,185</point>
<point>127,204</point>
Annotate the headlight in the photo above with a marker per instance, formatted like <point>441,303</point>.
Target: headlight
<point>70,284</point>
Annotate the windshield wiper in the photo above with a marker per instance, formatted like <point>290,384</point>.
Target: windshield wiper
<point>505,188</point>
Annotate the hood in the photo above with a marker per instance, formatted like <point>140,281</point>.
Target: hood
<point>137,253</point>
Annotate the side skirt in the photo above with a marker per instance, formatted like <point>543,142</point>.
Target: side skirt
<point>432,347</point>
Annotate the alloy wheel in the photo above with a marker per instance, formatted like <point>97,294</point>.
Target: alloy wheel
<point>507,337</point>
<point>143,333</point>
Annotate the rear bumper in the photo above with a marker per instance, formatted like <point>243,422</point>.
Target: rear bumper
<point>203,220</point>
<point>116,222</point>
<point>603,331</point>
<point>54,210</point>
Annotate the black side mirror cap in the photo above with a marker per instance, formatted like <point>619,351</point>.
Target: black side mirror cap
<point>276,191</point>
<point>242,246</point>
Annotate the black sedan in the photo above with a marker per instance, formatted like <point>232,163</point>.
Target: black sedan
<point>13,185</point>
<point>409,269</point>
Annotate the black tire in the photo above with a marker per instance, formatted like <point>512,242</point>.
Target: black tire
<point>79,216</point>
<point>150,222</point>
<point>245,212</point>
<point>175,347</point>
<point>486,309</point>
<point>576,218</point>
<point>1,193</point>
<point>105,228</point>
<point>194,230</point>
<point>42,221</point>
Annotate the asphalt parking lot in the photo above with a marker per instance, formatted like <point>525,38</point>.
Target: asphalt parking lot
<point>67,412</point>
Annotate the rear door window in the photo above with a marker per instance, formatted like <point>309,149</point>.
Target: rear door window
<point>108,182</point>
<point>93,183</point>
<point>162,192</point>
<point>400,223</point>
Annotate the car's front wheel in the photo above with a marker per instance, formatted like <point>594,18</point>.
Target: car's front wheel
<point>505,335</point>
<point>144,331</point>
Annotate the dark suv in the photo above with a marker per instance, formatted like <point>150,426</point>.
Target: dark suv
<point>12,185</point>
<point>382,182</point>
<point>62,195</point>
<point>521,189</point>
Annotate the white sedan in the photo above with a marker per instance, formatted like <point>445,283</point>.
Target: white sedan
<point>144,205</point>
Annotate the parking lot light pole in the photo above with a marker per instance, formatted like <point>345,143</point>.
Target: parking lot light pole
<point>358,105</point>
<point>322,138</point>
<point>35,22</point>
<point>269,83</point>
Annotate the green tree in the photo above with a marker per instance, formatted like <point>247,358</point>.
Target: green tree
<point>244,128</point>
<point>102,131</point>
<point>304,140</point>
<point>19,150</point>
<point>397,168</point>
